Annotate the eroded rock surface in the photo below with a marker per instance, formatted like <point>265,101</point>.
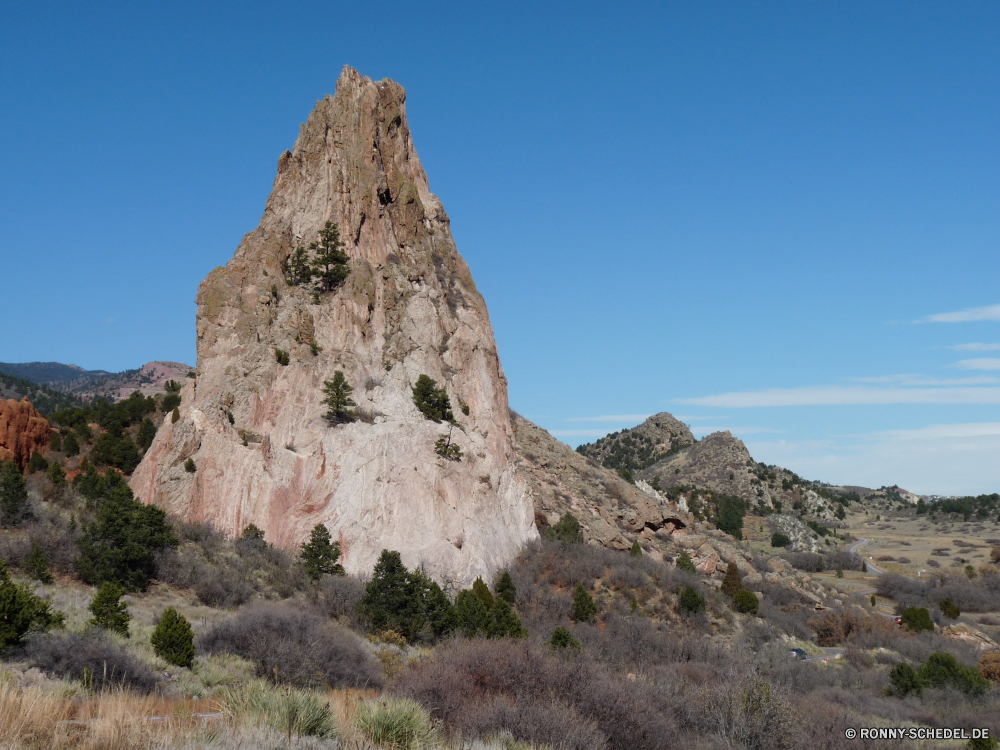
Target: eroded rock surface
<point>409,307</point>
<point>22,431</point>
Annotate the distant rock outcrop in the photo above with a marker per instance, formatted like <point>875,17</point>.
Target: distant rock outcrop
<point>22,431</point>
<point>718,462</point>
<point>255,428</point>
<point>629,451</point>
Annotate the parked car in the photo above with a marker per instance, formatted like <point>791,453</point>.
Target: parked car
<point>797,653</point>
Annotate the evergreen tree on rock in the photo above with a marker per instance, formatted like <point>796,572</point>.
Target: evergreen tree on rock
<point>319,555</point>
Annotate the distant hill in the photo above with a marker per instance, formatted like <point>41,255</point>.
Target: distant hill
<point>87,385</point>
<point>45,399</point>
<point>630,451</point>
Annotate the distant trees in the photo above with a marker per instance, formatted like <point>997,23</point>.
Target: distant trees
<point>147,431</point>
<point>338,399</point>
<point>71,446</point>
<point>584,609</point>
<point>778,539</point>
<point>328,264</point>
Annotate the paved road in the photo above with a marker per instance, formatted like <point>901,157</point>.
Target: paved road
<point>828,653</point>
<point>872,567</point>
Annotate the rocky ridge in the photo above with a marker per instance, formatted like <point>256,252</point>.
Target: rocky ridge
<point>22,431</point>
<point>256,429</point>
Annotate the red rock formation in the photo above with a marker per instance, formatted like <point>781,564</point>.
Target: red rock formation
<point>22,431</point>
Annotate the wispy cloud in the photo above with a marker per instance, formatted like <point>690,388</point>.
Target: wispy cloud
<point>970,315</point>
<point>942,459</point>
<point>688,418</point>
<point>834,395</point>
<point>926,380</point>
<point>976,347</point>
<point>987,363</point>
<point>610,418</point>
<point>735,430</point>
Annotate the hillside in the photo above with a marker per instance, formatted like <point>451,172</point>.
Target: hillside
<point>86,385</point>
<point>629,451</point>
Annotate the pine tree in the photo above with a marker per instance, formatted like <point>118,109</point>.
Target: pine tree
<point>173,640</point>
<point>480,589</point>
<point>13,494</point>
<point>393,598</point>
<point>506,589</point>
<point>108,610</point>
<point>584,609</point>
<point>433,402</point>
<point>685,563</point>
<point>319,555</point>
<point>473,616</point>
<point>56,442</point>
<point>36,564</point>
<point>562,639</point>
<point>297,268</point>
<point>22,612</point>
<point>338,399</point>
<point>56,475</point>
<point>732,584</point>
<point>330,265</point>
<point>636,550</point>
<point>566,530</point>
<point>71,446</point>
<point>504,622</point>
<point>147,431</point>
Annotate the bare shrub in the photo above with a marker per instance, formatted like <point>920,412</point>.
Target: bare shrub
<point>481,688</point>
<point>373,381</point>
<point>989,666</point>
<point>92,658</point>
<point>933,564</point>
<point>904,560</point>
<point>294,647</point>
<point>887,558</point>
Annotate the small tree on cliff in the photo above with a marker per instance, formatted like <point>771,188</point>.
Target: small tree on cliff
<point>338,399</point>
<point>331,262</point>
<point>732,584</point>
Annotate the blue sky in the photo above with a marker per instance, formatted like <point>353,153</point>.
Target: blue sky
<point>772,218</point>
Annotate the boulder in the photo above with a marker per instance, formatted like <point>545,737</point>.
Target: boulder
<point>970,636</point>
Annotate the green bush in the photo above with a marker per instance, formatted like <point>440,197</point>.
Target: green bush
<point>472,613</point>
<point>904,680</point>
<point>943,670</point>
<point>175,415</point>
<point>109,611</point>
<point>404,601</point>
<point>115,449</point>
<point>57,475</point>
<point>566,530</point>
<point>170,402</point>
<point>13,494</point>
<point>397,723</point>
<point>949,608</point>
<point>584,608</point>
<point>121,545</point>
<point>37,463</point>
<point>685,563</point>
<point>56,442</point>
<point>319,555</point>
<point>281,357</point>
<point>173,640</point>
<point>71,446</point>
<point>732,584</point>
<point>690,601</point>
<point>285,710</point>
<point>190,466</point>
<point>636,550</point>
<point>917,619</point>
<point>22,612</point>
<point>444,448</point>
<point>562,639</point>
<point>746,602</point>
<point>36,564</point>
<point>147,431</point>
<point>506,589</point>
<point>433,402</point>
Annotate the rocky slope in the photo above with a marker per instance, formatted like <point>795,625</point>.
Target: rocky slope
<point>91,384</point>
<point>629,451</point>
<point>409,307</point>
<point>22,431</point>
<point>719,462</point>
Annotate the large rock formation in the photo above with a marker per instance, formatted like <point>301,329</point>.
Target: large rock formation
<point>409,307</point>
<point>634,449</point>
<point>718,462</point>
<point>22,431</point>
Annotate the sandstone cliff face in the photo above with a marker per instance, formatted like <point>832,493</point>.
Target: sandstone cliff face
<point>409,307</point>
<point>22,431</point>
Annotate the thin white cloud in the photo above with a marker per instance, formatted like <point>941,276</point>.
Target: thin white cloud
<point>926,380</point>
<point>687,418</point>
<point>611,418</point>
<point>970,315</point>
<point>946,459</point>
<point>976,347</point>
<point>987,363</point>
<point>834,395</point>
